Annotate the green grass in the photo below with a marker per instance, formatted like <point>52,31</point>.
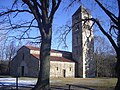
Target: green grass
<point>96,83</point>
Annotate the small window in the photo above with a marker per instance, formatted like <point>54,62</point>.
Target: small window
<point>86,26</point>
<point>77,52</point>
<point>23,57</point>
<point>77,18</point>
<point>77,28</point>
<point>85,17</point>
<point>57,68</point>
<point>70,69</point>
<point>77,40</point>
<point>88,39</point>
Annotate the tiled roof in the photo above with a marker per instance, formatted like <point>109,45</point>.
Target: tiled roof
<point>36,55</point>
<point>52,50</point>
<point>62,59</point>
<point>53,58</point>
<point>33,48</point>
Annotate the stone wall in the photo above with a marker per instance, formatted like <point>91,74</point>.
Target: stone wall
<point>26,64</point>
<point>83,44</point>
<point>62,69</point>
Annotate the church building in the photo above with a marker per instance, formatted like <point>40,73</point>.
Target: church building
<point>26,63</point>
<point>83,44</point>
<point>78,63</point>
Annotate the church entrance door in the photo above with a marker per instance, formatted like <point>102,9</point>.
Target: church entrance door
<point>64,73</point>
<point>22,70</point>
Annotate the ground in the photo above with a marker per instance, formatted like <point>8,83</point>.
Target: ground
<point>25,83</point>
<point>93,83</point>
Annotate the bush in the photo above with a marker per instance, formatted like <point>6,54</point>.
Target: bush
<point>3,67</point>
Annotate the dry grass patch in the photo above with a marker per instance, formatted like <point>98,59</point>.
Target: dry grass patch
<point>96,83</point>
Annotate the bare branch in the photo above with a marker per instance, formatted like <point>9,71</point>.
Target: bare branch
<point>107,35</point>
<point>104,32</point>
<point>19,38</point>
<point>36,7</point>
<point>27,28</point>
<point>11,11</point>
<point>54,8</point>
<point>118,8</point>
<point>36,14</point>
<point>72,2</point>
<point>14,3</point>
<point>35,42</point>
<point>113,27</point>
<point>62,37</point>
<point>110,14</point>
<point>18,26</point>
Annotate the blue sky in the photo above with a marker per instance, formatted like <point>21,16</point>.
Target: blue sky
<point>62,16</point>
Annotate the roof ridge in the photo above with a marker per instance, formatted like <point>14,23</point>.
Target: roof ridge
<point>52,50</point>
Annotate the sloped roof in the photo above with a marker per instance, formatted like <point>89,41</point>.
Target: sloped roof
<point>52,58</point>
<point>33,48</point>
<point>62,59</point>
<point>52,50</point>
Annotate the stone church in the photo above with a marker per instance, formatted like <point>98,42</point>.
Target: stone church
<point>26,63</point>
<point>83,44</point>
<point>78,63</point>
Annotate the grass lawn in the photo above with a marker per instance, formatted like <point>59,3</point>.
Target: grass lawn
<point>95,83</point>
<point>60,83</point>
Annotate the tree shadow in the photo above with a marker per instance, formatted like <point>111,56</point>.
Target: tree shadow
<point>56,87</point>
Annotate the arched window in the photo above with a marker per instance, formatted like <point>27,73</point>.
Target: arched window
<point>57,68</point>
<point>70,69</point>
<point>23,56</point>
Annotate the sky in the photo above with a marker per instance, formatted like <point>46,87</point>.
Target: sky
<point>61,17</point>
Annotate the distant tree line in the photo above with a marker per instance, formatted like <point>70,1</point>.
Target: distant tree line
<point>105,65</point>
<point>7,52</point>
<point>4,68</point>
<point>105,58</point>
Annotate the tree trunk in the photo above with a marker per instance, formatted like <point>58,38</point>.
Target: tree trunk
<point>44,74</point>
<point>117,87</point>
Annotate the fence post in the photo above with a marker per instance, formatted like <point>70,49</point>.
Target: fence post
<point>16,82</point>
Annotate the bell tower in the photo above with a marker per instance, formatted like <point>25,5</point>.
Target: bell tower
<point>83,44</point>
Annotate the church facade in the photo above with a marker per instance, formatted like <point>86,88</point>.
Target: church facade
<point>26,63</point>
<point>79,63</point>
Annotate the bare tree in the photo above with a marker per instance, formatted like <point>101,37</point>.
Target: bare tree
<point>42,12</point>
<point>10,51</point>
<point>3,67</point>
<point>104,57</point>
<point>114,30</point>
